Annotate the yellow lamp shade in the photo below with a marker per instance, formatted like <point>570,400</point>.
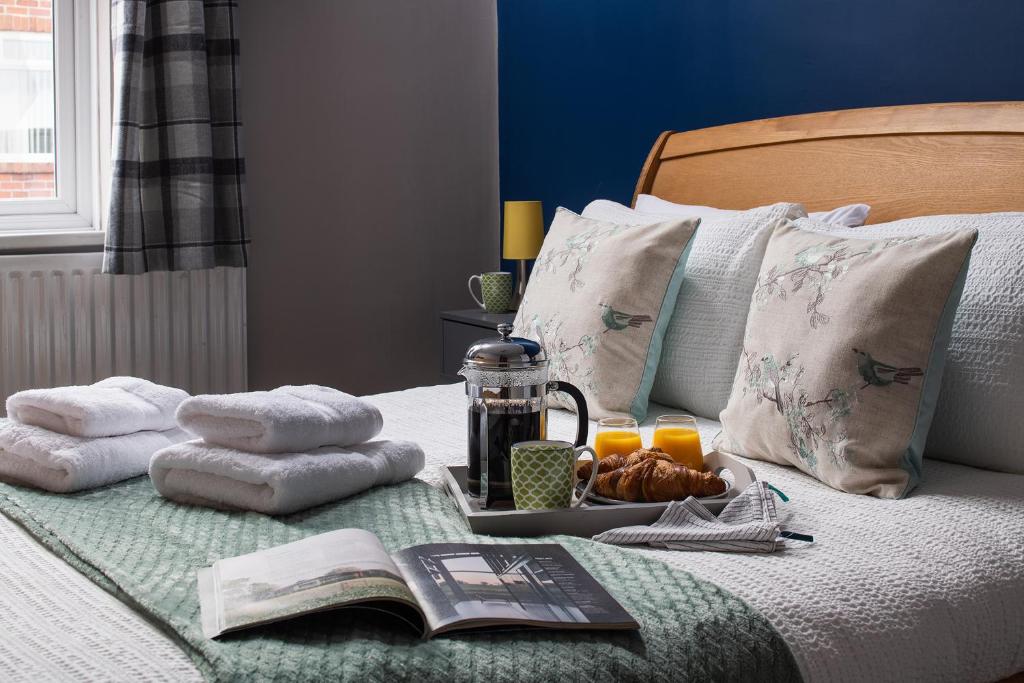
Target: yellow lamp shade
<point>524,230</point>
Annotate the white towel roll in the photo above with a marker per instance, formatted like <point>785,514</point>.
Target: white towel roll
<point>286,420</point>
<point>111,407</point>
<point>197,473</point>
<point>62,463</point>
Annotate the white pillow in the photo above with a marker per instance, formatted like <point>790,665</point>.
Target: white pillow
<point>850,216</point>
<point>704,338</point>
<point>979,419</point>
<point>613,212</point>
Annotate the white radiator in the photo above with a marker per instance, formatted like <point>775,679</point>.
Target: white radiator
<point>63,322</point>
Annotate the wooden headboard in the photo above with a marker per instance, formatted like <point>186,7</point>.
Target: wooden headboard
<point>965,157</point>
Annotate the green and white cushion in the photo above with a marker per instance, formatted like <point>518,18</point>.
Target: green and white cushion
<point>843,355</point>
<point>599,301</point>
<point>977,416</point>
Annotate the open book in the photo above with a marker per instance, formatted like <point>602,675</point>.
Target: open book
<point>437,587</point>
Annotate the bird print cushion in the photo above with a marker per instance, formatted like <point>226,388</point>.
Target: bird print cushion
<point>978,413</point>
<point>599,300</point>
<point>843,355</point>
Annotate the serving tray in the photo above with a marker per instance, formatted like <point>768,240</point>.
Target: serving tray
<point>589,518</point>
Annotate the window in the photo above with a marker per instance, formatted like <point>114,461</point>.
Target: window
<point>48,120</point>
<point>26,111</point>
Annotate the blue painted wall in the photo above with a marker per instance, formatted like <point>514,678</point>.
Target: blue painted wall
<point>585,86</point>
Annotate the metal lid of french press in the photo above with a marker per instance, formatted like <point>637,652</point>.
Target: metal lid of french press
<point>505,352</point>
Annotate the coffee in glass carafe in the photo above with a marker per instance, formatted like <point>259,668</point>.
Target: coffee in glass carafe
<point>507,386</point>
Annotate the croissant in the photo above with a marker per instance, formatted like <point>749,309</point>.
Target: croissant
<point>648,475</point>
<point>615,461</point>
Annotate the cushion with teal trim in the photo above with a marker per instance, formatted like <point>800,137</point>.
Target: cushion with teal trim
<point>978,410</point>
<point>843,355</point>
<point>599,301</point>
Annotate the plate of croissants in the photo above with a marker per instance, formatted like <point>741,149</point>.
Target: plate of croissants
<point>648,475</point>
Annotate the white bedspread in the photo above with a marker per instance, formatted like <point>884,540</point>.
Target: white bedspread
<point>927,588</point>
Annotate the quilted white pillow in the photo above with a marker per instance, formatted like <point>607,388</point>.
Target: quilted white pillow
<point>613,212</point>
<point>705,334</point>
<point>979,419</point>
<point>850,216</point>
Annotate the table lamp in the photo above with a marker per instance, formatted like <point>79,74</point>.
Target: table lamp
<point>524,233</point>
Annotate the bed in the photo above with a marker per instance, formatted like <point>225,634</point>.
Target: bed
<point>926,588</point>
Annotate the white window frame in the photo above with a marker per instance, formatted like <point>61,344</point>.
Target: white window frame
<point>81,67</point>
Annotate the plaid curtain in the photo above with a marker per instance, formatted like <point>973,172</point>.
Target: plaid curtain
<point>176,201</point>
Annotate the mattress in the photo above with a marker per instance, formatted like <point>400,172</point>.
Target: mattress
<point>927,588</point>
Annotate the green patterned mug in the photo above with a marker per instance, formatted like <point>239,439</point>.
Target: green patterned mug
<point>544,474</point>
<point>495,290</point>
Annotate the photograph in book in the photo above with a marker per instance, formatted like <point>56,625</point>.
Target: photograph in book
<point>459,584</point>
<point>303,577</point>
<point>435,587</point>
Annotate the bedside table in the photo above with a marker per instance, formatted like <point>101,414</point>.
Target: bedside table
<point>459,329</point>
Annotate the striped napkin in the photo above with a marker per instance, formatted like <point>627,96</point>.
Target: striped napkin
<point>748,524</point>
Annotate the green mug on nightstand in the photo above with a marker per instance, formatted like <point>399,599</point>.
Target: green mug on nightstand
<point>495,290</point>
<point>544,474</point>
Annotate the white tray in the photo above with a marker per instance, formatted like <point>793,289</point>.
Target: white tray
<point>589,518</point>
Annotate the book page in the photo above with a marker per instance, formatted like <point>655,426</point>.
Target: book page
<point>460,585</point>
<point>328,570</point>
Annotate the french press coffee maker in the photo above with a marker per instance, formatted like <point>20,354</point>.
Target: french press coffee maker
<point>507,387</point>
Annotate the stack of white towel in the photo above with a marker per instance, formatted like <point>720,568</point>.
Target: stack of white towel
<point>274,452</point>
<point>73,438</point>
<point>280,451</point>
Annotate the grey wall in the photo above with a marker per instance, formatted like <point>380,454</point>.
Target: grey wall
<point>371,150</point>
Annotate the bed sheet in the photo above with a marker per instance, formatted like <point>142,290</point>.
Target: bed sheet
<point>926,588</point>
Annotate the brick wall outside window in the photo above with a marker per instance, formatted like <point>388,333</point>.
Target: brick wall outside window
<point>22,180</point>
<point>32,16</point>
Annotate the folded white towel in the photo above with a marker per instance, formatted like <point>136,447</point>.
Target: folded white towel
<point>61,463</point>
<point>111,407</point>
<point>197,473</point>
<point>285,420</point>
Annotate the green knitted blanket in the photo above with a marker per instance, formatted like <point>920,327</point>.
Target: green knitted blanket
<point>146,550</point>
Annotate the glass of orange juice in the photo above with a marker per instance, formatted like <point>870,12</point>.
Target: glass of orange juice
<point>677,435</point>
<point>617,435</point>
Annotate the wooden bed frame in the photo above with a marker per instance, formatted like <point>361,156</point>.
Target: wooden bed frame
<point>965,157</point>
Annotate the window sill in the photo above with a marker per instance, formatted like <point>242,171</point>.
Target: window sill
<point>40,242</point>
